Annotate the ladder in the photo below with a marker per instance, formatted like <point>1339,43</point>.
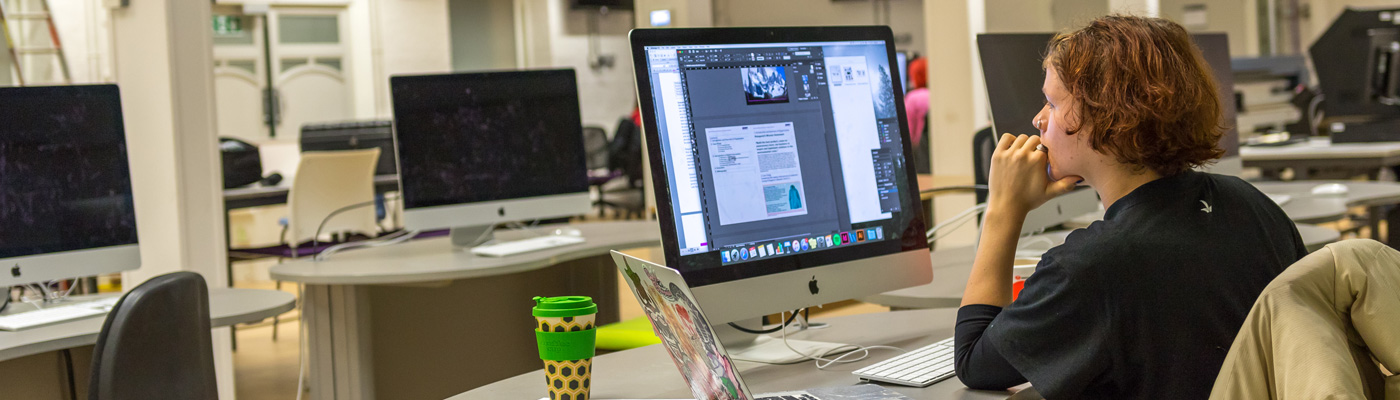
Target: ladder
<point>16,43</point>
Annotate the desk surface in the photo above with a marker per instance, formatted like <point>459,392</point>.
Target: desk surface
<point>437,260</point>
<point>226,307</point>
<point>648,372</point>
<point>1320,148</point>
<point>1359,193</point>
<point>952,267</point>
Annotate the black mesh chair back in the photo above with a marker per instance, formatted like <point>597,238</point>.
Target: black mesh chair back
<point>923,157</point>
<point>156,343</point>
<point>983,143</point>
<point>595,143</point>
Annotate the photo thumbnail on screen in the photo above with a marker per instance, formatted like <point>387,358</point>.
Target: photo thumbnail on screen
<point>763,85</point>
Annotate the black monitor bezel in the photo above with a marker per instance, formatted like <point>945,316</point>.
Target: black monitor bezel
<point>913,237</point>
<point>110,93</point>
<point>549,73</point>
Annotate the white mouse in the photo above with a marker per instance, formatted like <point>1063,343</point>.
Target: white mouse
<point>1330,189</point>
<point>568,232</point>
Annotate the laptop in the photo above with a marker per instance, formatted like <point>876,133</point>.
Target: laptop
<point>680,323</point>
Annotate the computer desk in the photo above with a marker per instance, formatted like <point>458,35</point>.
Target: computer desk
<point>952,267</point>
<point>1322,153</point>
<point>423,319</point>
<point>649,373</point>
<point>226,307</point>
<point>1378,198</point>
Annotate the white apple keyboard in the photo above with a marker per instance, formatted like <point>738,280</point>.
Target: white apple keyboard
<point>57,314</point>
<point>919,368</point>
<point>526,245</point>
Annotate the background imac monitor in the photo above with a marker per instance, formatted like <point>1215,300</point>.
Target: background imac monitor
<point>1358,64</point>
<point>901,58</point>
<point>65,184</point>
<point>477,149</point>
<point>354,135</point>
<point>1011,65</point>
<point>780,166</point>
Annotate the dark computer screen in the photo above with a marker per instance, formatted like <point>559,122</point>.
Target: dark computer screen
<point>1356,63</point>
<point>1011,64</point>
<point>354,135</point>
<point>1011,67</point>
<point>64,179</point>
<point>466,138</point>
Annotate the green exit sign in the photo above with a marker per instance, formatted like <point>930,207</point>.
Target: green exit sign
<point>228,25</point>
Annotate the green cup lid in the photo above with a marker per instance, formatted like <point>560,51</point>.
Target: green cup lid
<point>564,306</point>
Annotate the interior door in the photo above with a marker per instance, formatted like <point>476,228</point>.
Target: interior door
<point>310,75</point>
<point>239,75</point>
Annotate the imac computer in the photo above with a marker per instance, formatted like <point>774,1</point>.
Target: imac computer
<point>477,149</point>
<point>65,185</point>
<point>1357,61</point>
<point>354,135</point>
<point>780,162</point>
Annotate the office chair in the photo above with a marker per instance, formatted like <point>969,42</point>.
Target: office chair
<point>597,148</point>
<point>923,155</point>
<point>984,142</point>
<point>156,343</point>
<point>333,193</point>
<point>625,158</point>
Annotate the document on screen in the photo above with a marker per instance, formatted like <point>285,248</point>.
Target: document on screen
<point>757,173</point>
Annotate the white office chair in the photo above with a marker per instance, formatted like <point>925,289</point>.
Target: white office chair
<point>327,182</point>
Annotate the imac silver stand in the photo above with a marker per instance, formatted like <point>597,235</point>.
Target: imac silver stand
<point>472,236</point>
<point>771,350</point>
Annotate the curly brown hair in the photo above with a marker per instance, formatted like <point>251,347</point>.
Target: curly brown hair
<point>1144,91</point>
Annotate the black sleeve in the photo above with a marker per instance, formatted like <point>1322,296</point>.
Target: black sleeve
<point>976,361</point>
<point>1058,333</point>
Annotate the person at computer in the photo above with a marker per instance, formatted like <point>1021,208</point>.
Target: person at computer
<point>1145,303</point>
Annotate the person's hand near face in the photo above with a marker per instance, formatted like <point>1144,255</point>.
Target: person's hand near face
<point>1026,172</point>
<point>1018,181</point>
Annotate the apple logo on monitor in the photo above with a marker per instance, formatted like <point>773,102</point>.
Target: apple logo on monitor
<point>812,285</point>
<point>15,271</point>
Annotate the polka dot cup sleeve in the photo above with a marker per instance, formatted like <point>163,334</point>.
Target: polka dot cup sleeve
<point>565,333</point>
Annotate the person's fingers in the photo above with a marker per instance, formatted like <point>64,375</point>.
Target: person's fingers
<point>1063,185</point>
<point>1005,142</point>
<point>1031,143</point>
<point>1020,142</point>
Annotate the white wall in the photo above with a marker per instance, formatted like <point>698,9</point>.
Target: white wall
<point>906,16</point>
<point>606,94</point>
<point>483,34</point>
<point>164,63</point>
<point>1236,18</point>
<point>84,27</point>
<point>684,13</point>
<point>413,37</point>
<point>1019,16</point>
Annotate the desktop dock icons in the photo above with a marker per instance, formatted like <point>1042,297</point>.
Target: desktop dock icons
<point>744,254</point>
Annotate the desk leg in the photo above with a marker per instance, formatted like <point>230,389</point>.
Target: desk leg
<point>337,321</point>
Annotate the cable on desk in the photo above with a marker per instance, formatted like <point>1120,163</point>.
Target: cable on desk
<point>68,364</point>
<point>766,331</point>
<point>315,240</point>
<point>850,349</point>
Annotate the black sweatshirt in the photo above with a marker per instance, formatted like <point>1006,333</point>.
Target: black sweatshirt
<point>1143,304</point>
